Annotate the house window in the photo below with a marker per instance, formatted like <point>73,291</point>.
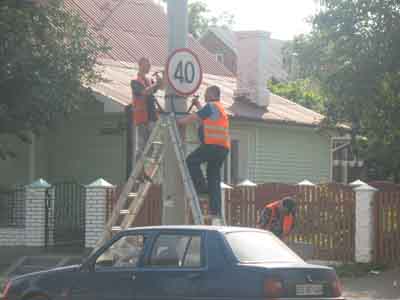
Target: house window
<point>345,165</point>
<point>339,160</point>
<point>220,58</point>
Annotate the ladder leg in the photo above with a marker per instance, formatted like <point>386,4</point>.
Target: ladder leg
<point>129,185</point>
<point>137,203</point>
<point>187,181</point>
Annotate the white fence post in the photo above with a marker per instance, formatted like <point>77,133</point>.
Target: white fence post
<point>96,211</point>
<point>35,213</point>
<point>364,233</point>
<point>224,188</point>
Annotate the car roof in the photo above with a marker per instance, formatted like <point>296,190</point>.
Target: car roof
<point>221,229</point>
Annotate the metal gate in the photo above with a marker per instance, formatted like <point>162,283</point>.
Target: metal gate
<point>69,214</point>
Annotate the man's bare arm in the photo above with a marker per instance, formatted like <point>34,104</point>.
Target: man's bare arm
<point>188,119</point>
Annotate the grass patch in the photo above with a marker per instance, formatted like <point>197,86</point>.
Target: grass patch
<point>357,270</point>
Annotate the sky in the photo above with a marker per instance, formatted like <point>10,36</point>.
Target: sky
<point>283,18</point>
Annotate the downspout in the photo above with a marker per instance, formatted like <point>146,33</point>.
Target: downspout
<point>32,158</point>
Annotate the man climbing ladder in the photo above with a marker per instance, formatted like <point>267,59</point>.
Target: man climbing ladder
<point>214,148</point>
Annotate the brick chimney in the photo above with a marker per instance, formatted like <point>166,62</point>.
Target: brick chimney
<point>252,67</point>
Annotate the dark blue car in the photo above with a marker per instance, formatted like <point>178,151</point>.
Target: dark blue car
<point>183,262</point>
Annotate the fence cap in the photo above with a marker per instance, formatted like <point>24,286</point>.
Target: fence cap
<point>357,183</point>
<point>365,187</point>
<point>100,183</point>
<point>40,183</point>
<point>306,183</point>
<point>247,182</point>
<point>225,186</point>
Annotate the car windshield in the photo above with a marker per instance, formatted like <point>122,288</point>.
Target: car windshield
<point>257,247</point>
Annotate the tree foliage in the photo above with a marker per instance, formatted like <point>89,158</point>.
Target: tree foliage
<point>200,18</point>
<point>353,52</point>
<point>301,91</point>
<point>47,57</point>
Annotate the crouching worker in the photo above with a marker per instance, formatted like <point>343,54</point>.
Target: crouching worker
<point>278,217</point>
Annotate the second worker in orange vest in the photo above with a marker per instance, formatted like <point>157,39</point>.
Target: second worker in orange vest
<point>144,112</point>
<point>214,148</point>
<point>278,217</point>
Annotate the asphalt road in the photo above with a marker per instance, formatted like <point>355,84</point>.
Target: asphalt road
<point>384,286</point>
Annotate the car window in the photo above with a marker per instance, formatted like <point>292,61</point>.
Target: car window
<point>253,246</point>
<point>125,252</point>
<point>176,251</point>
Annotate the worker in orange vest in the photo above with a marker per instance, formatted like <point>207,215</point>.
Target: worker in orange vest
<point>143,103</point>
<point>214,148</point>
<point>278,217</point>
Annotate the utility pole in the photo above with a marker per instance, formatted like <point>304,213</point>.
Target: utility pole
<point>173,193</point>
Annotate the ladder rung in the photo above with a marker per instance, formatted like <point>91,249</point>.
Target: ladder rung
<point>124,211</point>
<point>158,143</point>
<point>132,195</point>
<point>116,228</point>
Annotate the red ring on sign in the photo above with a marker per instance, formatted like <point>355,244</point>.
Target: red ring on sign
<point>198,62</point>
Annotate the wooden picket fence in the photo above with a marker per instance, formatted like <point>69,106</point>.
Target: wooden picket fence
<point>387,223</point>
<point>325,214</point>
<point>324,220</point>
<point>325,217</point>
<point>149,214</point>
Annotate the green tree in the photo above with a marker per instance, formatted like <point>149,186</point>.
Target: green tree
<point>47,60</point>
<point>200,18</point>
<point>301,91</point>
<point>353,52</point>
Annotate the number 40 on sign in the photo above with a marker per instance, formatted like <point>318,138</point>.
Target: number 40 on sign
<point>184,72</point>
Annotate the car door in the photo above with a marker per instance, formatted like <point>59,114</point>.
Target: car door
<point>111,275</point>
<point>174,268</point>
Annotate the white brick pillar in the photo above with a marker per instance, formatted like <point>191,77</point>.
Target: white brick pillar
<point>96,210</point>
<point>364,235</point>
<point>35,213</point>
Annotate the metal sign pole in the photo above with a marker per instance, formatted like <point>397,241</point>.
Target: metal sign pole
<point>173,194</point>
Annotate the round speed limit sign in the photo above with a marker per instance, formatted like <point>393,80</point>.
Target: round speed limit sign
<point>184,72</point>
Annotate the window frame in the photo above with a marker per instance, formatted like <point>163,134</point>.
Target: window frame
<point>114,240</point>
<point>203,252</point>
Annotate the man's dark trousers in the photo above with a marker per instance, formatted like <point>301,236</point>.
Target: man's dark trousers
<point>214,156</point>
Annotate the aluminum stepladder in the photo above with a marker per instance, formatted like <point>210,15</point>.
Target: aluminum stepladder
<point>128,205</point>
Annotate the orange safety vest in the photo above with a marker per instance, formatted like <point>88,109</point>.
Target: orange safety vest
<point>287,222</point>
<point>216,132</point>
<point>140,114</point>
